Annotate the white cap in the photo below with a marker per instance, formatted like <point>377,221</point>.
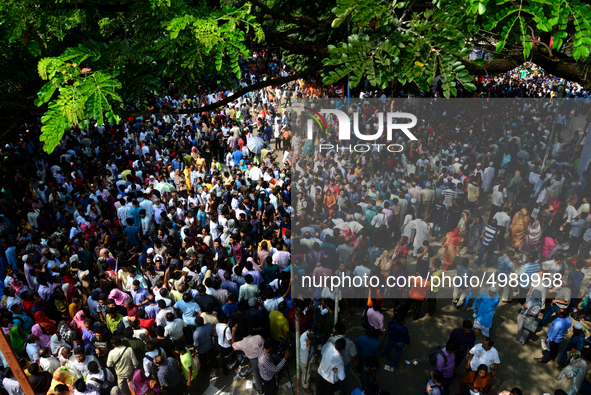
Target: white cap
<point>150,251</point>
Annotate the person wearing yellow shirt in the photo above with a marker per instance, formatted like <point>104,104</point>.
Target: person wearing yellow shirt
<point>278,322</point>
<point>187,363</point>
<point>125,174</point>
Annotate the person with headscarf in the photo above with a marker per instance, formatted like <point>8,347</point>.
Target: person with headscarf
<point>18,339</point>
<point>530,309</point>
<point>384,262</point>
<point>347,233</point>
<point>19,286</point>
<point>47,324</point>
<point>519,224</point>
<point>142,385</point>
<point>43,338</point>
<point>119,296</point>
<point>78,322</point>
<point>73,309</point>
<point>475,236</point>
<point>514,188</point>
<point>451,248</point>
<point>533,235</point>
<point>57,343</point>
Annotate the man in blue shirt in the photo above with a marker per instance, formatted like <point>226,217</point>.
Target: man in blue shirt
<point>139,294</point>
<point>367,346</point>
<point>556,333</point>
<point>237,156</point>
<point>189,308</point>
<point>505,267</point>
<point>397,338</point>
<point>133,234</point>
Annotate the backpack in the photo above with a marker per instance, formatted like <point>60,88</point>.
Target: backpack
<point>105,385</point>
<point>364,319</point>
<point>434,352</point>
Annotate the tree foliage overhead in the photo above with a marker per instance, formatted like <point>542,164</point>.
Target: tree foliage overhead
<point>70,62</point>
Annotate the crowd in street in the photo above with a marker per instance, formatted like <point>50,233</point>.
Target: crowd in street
<point>372,213</point>
<point>138,256</point>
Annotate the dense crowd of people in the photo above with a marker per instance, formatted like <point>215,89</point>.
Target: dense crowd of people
<point>366,212</point>
<point>137,256</point>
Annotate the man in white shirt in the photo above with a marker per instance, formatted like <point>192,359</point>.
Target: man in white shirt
<point>503,224</point>
<point>10,383</point>
<point>174,328</point>
<point>148,362</point>
<point>332,368</point>
<point>484,354</point>
<point>306,360</point>
<point>82,360</point>
<point>48,362</point>
<point>32,349</point>
<point>224,334</point>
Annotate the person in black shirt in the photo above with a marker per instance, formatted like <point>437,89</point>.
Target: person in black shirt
<point>424,259</point>
<point>163,342</point>
<point>101,346</point>
<point>438,213</point>
<point>106,284</point>
<point>454,214</point>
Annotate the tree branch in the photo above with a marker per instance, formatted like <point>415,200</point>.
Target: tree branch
<point>558,65</point>
<point>282,40</point>
<point>235,96</point>
<point>295,19</point>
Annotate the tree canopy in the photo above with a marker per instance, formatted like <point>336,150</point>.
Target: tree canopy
<point>71,62</point>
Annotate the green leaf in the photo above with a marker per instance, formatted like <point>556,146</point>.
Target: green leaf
<point>500,46</point>
<point>481,8</point>
<point>581,52</point>
<point>469,86</point>
<point>45,94</point>
<point>336,23</point>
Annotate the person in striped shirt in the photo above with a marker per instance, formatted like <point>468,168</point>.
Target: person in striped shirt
<point>489,243</point>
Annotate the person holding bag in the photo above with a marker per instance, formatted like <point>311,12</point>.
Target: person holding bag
<point>526,319</point>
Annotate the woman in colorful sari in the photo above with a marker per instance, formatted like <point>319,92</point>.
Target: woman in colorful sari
<point>533,235</point>
<point>464,226</point>
<point>142,385</point>
<point>519,224</point>
<point>400,252</point>
<point>451,248</point>
<point>347,233</point>
<point>385,263</point>
<point>330,202</point>
<point>475,236</point>
<point>62,376</point>
<point>547,245</point>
